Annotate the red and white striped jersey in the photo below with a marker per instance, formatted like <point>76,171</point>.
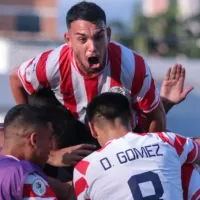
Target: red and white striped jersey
<point>134,167</point>
<point>36,188</point>
<point>125,72</point>
<point>191,182</point>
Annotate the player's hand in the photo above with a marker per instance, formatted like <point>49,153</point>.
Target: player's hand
<point>172,88</point>
<point>70,156</point>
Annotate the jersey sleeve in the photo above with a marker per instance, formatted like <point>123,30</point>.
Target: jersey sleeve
<point>35,187</point>
<point>186,148</point>
<point>79,180</point>
<point>39,72</point>
<point>191,182</point>
<point>144,91</point>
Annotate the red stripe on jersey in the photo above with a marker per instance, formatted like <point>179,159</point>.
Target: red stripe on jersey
<point>192,155</point>
<point>115,56</point>
<point>82,166</point>
<point>91,86</point>
<point>66,85</point>
<point>28,192</point>
<point>164,138</point>
<point>146,102</point>
<point>139,75</point>
<point>196,195</point>
<point>80,186</point>
<point>28,85</point>
<point>41,69</point>
<point>179,143</point>
<point>186,173</point>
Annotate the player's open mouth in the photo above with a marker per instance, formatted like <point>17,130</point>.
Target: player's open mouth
<point>93,62</point>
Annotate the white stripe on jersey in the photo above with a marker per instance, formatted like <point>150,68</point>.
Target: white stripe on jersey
<point>146,85</point>
<point>79,92</point>
<point>104,80</point>
<point>127,68</point>
<point>21,72</point>
<point>54,72</point>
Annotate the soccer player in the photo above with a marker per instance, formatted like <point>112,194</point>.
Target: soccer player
<point>27,143</point>
<point>130,166</point>
<point>88,65</point>
<point>67,132</point>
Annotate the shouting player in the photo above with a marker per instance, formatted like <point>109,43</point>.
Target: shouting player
<point>88,65</point>
<point>130,166</point>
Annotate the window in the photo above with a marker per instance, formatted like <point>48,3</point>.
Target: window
<point>28,23</point>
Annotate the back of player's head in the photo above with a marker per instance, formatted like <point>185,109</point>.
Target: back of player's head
<point>87,11</point>
<point>43,97</point>
<point>109,106</point>
<point>21,118</point>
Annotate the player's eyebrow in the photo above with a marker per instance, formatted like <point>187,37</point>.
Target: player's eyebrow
<point>83,34</point>
<point>100,31</point>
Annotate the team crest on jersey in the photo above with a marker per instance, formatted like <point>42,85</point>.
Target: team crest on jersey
<point>117,89</point>
<point>39,187</point>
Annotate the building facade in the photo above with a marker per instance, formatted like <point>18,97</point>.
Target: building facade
<point>38,17</point>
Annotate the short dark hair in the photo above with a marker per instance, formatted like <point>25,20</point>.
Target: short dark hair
<point>87,11</point>
<point>110,106</point>
<point>43,97</point>
<point>24,115</point>
<point>68,130</point>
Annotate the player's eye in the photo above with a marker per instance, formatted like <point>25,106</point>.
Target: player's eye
<point>99,37</point>
<point>82,39</point>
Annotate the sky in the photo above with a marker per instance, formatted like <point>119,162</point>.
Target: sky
<point>115,10</point>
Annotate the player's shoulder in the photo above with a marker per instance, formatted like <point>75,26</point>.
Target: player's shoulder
<point>36,186</point>
<point>84,165</point>
<point>123,50</point>
<point>32,177</point>
<point>59,52</point>
<point>130,60</point>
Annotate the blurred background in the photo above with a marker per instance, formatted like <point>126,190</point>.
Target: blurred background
<point>164,31</point>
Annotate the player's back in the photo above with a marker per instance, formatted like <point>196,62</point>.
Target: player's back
<point>131,167</point>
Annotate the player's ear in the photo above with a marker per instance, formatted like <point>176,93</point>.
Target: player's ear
<point>92,129</point>
<point>109,33</point>
<point>33,139</point>
<point>67,39</point>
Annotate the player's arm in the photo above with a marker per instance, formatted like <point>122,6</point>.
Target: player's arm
<point>35,187</point>
<point>18,91</point>
<point>70,156</point>
<point>147,96</point>
<point>30,76</point>
<point>172,90</point>
<point>187,148</point>
<point>62,190</point>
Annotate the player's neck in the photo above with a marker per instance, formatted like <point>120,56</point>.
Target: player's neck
<point>116,133</point>
<point>13,151</point>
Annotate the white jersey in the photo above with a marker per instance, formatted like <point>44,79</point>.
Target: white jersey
<point>135,167</point>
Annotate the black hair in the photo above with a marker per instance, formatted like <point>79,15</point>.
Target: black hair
<point>43,97</point>
<point>24,115</point>
<point>67,129</point>
<point>109,106</point>
<point>87,11</point>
